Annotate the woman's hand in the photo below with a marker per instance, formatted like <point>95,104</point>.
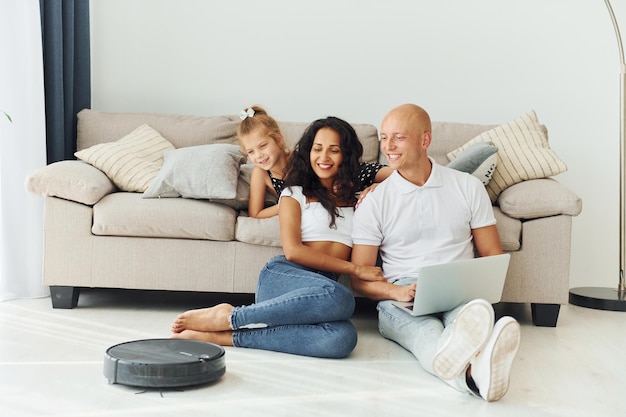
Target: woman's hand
<point>364,193</point>
<point>404,292</point>
<point>369,273</point>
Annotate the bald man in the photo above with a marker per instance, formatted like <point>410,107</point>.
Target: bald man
<point>425,214</point>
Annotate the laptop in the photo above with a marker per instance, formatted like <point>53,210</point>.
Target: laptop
<point>443,287</point>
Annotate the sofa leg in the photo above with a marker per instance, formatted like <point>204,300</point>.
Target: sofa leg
<point>64,297</point>
<point>545,315</point>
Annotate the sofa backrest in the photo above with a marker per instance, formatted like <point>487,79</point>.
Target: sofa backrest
<point>97,127</point>
<point>447,136</point>
<point>367,134</point>
<point>182,130</point>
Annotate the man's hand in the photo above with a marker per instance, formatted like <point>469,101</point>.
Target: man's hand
<point>364,193</point>
<point>404,292</point>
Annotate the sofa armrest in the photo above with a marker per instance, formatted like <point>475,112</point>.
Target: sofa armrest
<point>71,180</point>
<point>539,198</point>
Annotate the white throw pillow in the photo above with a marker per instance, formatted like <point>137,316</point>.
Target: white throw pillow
<point>201,172</point>
<point>131,162</point>
<point>523,153</point>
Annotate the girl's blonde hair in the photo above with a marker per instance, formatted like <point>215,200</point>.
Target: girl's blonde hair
<point>260,118</point>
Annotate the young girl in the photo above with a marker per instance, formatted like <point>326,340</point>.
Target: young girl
<point>261,139</point>
<point>300,307</point>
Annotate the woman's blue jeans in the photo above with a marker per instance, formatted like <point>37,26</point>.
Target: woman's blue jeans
<point>298,311</point>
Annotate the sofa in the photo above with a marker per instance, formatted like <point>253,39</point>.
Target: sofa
<point>108,224</point>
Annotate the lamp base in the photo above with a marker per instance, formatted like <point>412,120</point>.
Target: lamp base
<point>598,298</point>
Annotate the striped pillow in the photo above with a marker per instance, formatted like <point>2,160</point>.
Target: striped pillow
<point>131,162</point>
<point>523,153</point>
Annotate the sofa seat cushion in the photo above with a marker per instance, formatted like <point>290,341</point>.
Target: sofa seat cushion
<point>127,214</point>
<point>509,230</point>
<point>264,232</point>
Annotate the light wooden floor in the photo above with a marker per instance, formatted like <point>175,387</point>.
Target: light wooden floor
<point>51,364</point>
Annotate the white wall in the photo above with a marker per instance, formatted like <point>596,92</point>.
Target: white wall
<point>483,61</point>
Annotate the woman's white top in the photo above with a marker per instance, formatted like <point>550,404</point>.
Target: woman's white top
<point>315,220</point>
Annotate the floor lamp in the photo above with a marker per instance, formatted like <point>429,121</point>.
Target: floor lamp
<point>611,298</point>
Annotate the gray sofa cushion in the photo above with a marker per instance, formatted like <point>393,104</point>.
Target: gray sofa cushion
<point>479,160</point>
<point>127,214</point>
<point>202,172</point>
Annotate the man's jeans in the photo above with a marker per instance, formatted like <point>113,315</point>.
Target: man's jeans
<point>297,310</point>
<point>420,335</point>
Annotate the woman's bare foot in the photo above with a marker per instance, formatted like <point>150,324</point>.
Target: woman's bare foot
<point>219,338</point>
<point>212,319</point>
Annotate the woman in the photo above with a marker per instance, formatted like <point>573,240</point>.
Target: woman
<point>300,307</point>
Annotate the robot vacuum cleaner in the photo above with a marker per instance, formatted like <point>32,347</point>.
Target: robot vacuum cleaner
<point>164,363</point>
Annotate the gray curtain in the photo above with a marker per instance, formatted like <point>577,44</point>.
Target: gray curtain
<point>67,79</point>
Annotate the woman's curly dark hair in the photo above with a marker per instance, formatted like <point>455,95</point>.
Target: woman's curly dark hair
<point>299,171</point>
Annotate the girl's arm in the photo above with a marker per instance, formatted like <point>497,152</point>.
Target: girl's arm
<point>256,202</point>
<point>290,216</point>
<point>383,174</point>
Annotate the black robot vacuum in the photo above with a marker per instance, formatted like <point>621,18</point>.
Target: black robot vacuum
<point>164,363</point>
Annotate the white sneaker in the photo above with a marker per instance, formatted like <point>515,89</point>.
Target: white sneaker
<point>491,369</point>
<point>470,331</point>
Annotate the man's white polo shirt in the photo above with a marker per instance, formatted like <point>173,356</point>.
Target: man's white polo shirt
<point>416,226</point>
